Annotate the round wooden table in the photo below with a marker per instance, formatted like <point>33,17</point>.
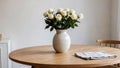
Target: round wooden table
<point>46,57</point>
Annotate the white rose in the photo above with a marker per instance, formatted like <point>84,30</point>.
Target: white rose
<point>58,17</point>
<point>50,11</point>
<point>45,14</point>
<point>73,16</point>
<point>59,10</point>
<point>72,11</point>
<point>50,16</point>
<point>67,10</point>
<point>64,13</point>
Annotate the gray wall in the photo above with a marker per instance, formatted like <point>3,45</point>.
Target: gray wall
<point>115,20</point>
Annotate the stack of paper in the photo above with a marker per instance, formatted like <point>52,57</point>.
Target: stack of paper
<point>94,55</point>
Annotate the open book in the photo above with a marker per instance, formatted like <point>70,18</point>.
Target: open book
<point>94,55</point>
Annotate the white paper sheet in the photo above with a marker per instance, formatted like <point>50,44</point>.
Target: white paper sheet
<point>94,55</point>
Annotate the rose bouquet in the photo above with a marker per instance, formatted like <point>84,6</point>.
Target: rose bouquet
<point>62,19</point>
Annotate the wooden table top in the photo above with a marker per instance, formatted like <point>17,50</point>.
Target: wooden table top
<point>45,55</point>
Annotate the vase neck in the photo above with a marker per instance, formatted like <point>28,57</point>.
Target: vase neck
<point>60,31</point>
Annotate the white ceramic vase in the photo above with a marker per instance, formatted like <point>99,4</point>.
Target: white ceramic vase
<point>61,41</point>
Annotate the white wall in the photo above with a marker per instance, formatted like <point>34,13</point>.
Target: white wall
<point>118,23</point>
<point>22,22</point>
<point>115,20</point>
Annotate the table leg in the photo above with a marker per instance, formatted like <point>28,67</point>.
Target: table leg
<point>35,67</point>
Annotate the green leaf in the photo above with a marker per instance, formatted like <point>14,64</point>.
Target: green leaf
<point>47,21</point>
<point>51,29</point>
<point>47,26</point>
<point>76,25</point>
<point>72,26</point>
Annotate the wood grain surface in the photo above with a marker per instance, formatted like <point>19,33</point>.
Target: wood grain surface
<point>46,57</point>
